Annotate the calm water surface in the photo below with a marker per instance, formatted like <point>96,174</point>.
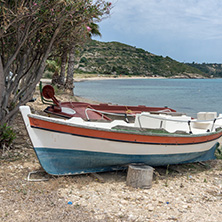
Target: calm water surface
<point>184,95</point>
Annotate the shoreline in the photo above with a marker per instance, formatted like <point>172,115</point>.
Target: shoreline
<point>81,79</point>
<point>77,79</point>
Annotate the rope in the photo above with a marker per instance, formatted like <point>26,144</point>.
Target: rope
<point>103,112</point>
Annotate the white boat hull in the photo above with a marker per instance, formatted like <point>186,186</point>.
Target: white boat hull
<point>63,152</point>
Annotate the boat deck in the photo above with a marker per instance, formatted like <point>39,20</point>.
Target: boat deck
<point>144,124</point>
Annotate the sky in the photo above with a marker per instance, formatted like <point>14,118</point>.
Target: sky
<point>185,30</point>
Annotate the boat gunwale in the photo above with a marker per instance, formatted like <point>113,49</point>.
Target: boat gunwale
<point>143,133</point>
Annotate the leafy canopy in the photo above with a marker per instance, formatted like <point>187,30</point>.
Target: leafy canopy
<point>29,32</point>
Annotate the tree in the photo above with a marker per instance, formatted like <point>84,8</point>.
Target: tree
<point>61,80</point>
<point>29,32</point>
<point>91,29</point>
<point>70,71</point>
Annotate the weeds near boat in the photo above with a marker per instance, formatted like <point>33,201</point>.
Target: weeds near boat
<point>7,136</point>
<point>218,153</point>
<point>167,173</point>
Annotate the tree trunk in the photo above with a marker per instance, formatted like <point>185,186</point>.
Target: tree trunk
<point>55,79</point>
<point>71,62</point>
<point>13,99</point>
<point>2,80</point>
<point>61,80</point>
<point>2,88</point>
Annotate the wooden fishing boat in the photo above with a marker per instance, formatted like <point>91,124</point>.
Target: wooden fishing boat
<point>75,146</point>
<point>106,112</point>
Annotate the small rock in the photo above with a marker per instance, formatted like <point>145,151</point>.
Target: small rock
<point>150,208</point>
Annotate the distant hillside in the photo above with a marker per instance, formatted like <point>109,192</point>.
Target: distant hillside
<point>212,70</point>
<point>121,59</point>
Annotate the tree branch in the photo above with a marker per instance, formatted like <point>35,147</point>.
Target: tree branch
<point>2,81</point>
<point>25,36</point>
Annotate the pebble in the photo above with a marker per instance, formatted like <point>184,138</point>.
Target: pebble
<point>150,208</point>
<point>160,203</point>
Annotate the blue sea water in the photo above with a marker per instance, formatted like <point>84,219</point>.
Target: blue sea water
<point>185,95</point>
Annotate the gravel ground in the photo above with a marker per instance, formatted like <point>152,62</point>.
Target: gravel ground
<point>188,192</point>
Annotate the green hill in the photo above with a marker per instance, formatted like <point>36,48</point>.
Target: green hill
<point>213,70</point>
<point>121,59</point>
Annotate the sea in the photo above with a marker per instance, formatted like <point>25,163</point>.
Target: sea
<point>184,95</point>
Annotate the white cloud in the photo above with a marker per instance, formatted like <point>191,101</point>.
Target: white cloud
<point>186,30</point>
<point>190,17</point>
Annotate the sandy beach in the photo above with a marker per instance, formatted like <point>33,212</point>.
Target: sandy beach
<point>188,192</point>
<point>78,78</point>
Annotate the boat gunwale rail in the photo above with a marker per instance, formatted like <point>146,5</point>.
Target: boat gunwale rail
<point>65,122</point>
<point>177,120</point>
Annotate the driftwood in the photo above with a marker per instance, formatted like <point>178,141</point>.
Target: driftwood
<point>139,176</point>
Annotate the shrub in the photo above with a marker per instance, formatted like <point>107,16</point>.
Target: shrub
<point>218,152</point>
<point>47,74</point>
<point>6,135</point>
<point>83,60</point>
<point>100,61</point>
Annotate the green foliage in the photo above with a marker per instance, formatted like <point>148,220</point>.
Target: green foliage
<point>47,74</point>
<point>33,31</point>
<point>140,50</point>
<point>211,69</point>
<point>218,153</point>
<point>83,60</point>
<point>52,66</point>
<point>100,61</point>
<point>57,90</point>
<point>120,70</point>
<point>118,58</point>
<point>6,135</point>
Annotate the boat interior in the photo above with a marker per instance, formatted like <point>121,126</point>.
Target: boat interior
<point>167,122</point>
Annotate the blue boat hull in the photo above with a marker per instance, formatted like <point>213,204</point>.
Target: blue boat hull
<point>70,162</point>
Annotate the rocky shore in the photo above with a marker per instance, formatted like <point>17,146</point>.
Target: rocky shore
<point>188,192</point>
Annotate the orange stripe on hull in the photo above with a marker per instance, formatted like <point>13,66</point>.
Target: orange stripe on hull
<point>122,136</point>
